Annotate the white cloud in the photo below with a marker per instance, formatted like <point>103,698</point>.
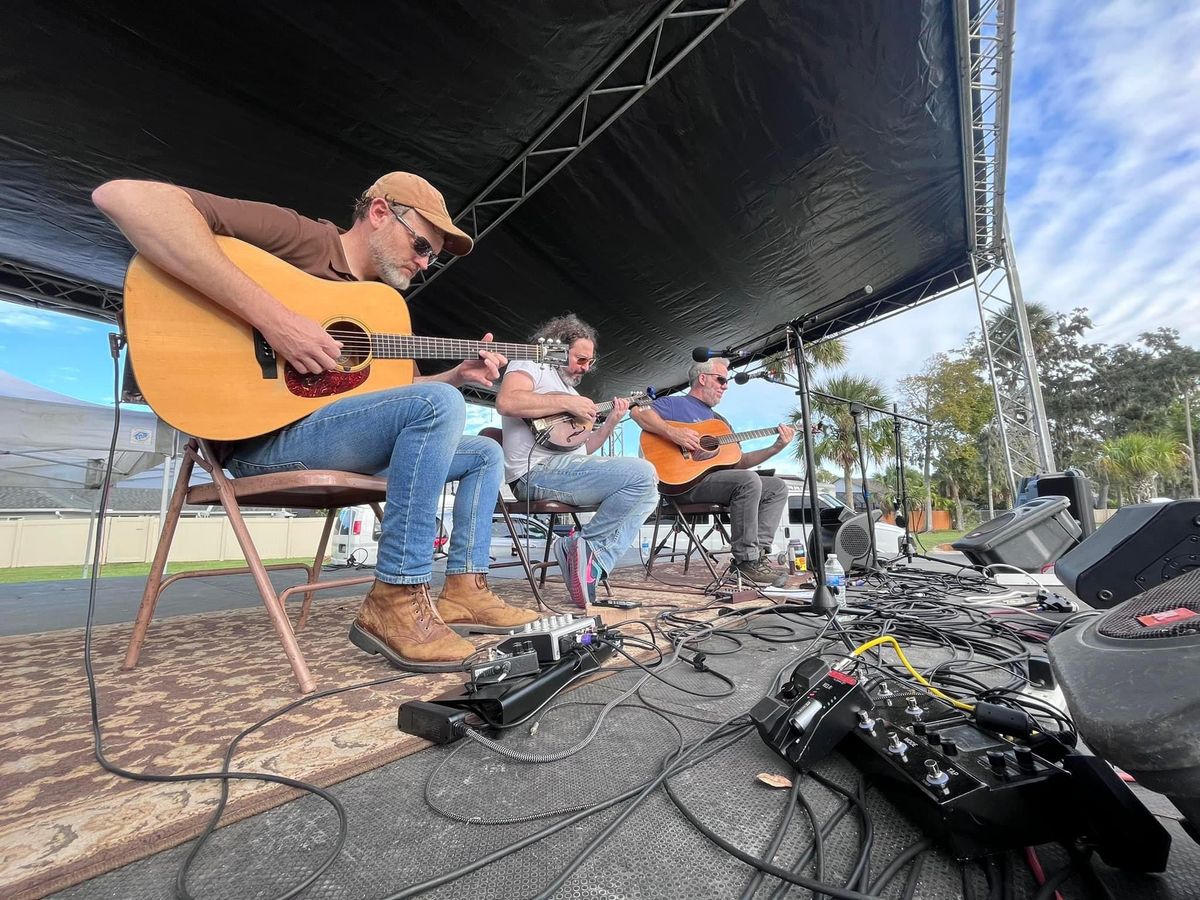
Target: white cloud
<point>21,318</point>
<point>1103,180</point>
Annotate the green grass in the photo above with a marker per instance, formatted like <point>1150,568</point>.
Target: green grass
<point>933,538</point>
<point>113,570</point>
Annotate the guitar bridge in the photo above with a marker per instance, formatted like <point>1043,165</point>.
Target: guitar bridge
<point>265,354</point>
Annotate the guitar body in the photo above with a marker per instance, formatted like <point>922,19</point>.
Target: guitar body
<point>197,366</point>
<point>681,470</point>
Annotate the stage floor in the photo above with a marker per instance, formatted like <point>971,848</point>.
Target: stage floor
<point>396,839</point>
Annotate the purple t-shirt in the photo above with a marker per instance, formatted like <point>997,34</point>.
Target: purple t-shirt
<point>684,408</point>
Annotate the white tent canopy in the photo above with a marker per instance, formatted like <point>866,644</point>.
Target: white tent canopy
<point>52,440</point>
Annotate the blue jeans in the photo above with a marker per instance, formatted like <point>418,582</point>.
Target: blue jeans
<point>625,488</point>
<point>414,436</point>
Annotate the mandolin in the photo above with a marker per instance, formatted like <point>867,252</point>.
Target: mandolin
<point>564,432</point>
<point>210,374</point>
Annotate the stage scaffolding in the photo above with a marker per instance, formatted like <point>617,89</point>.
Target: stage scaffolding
<point>985,59</point>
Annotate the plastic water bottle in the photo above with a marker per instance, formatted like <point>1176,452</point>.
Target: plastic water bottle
<point>835,576</point>
<point>645,547</point>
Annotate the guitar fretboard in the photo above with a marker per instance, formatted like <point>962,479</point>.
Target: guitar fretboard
<point>746,436</point>
<point>407,346</point>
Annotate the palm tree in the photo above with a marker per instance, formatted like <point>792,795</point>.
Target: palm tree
<point>836,444</point>
<point>1135,460</point>
<point>827,354</point>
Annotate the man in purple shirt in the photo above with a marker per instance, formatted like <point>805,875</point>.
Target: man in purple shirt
<point>756,503</point>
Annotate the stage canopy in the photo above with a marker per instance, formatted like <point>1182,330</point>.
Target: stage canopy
<point>800,152</point>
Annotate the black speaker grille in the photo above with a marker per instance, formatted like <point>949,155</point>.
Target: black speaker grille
<point>1178,593</point>
<point>855,540</point>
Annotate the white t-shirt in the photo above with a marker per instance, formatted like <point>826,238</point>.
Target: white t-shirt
<point>518,438</point>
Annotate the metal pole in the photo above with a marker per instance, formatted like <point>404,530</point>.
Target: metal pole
<point>1187,418</point>
<point>822,599</point>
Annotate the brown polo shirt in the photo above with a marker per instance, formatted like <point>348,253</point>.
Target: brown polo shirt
<point>312,245</point>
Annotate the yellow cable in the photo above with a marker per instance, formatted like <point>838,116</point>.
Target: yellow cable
<point>888,639</point>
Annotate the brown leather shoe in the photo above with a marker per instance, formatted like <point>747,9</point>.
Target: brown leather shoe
<point>398,622</point>
<point>468,606</point>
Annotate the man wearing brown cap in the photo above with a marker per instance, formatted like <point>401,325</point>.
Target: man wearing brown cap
<point>413,434</point>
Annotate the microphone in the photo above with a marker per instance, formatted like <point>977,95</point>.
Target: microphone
<point>704,354</point>
<point>743,377</point>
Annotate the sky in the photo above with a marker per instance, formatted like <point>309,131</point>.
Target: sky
<point>1103,197</point>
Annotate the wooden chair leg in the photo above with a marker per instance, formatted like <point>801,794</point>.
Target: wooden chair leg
<point>154,580</point>
<point>279,619</point>
<point>314,571</point>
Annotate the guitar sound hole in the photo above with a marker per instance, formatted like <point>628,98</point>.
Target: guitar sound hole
<point>356,343</point>
<point>708,442</point>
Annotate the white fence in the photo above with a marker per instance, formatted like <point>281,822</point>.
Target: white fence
<point>132,539</point>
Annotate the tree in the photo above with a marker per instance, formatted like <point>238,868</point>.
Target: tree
<point>836,444</point>
<point>952,394</point>
<point>1135,460</point>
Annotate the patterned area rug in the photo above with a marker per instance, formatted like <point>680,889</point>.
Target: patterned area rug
<point>201,680</point>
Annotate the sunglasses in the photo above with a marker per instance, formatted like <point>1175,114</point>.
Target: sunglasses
<point>420,243</point>
<point>721,379</point>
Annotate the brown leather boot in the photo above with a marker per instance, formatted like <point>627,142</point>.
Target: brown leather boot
<point>468,606</point>
<point>398,621</point>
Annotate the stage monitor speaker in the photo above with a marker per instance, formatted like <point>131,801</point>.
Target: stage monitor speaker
<point>1027,537</point>
<point>1073,485</point>
<point>852,544</point>
<point>1129,678</point>
<point>1140,547</point>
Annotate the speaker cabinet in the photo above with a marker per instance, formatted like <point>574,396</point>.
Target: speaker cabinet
<point>853,542</point>
<point>1129,678</point>
<point>1073,485</point>
<point>1027,537</point>
<point>1140,547</point>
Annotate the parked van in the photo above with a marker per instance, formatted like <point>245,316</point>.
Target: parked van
<point>356,533</point>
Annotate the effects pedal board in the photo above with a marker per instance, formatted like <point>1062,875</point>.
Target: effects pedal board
<point>979,792</point>
<point>551,637</point>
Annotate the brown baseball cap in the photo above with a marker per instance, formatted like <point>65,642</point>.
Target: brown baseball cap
<point>413,190</point>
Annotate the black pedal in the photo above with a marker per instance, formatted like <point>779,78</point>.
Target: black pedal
<point>979,792</point>
<point>815,709</point>
<point>505,702</point>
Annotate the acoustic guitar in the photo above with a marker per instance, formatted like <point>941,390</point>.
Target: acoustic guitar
<point>210,374</point>
<point>680,470</point>
<point>563,432</point>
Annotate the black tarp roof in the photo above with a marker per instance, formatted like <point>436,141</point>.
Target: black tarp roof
<point>801,151</point>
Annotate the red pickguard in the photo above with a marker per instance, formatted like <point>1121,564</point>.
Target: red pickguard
<point>327,384</point>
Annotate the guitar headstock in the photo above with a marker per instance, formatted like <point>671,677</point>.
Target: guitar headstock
<point>643,398</point>
<point>552,353</point>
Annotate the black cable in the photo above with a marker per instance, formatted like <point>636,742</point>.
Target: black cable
<point>903,858</point>
<point>785,821</point>
<point>224,776</point>
<point>1061,876</point>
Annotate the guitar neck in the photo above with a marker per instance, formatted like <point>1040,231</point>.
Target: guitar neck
<point>408,346</point>
<point>740,436</point>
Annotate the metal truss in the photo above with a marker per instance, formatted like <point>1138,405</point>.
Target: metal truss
<point>985,45</point>
<point>860,315</point>
<point>585,119</point>
<point>30,287</point>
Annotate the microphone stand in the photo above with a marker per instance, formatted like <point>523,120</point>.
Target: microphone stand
<point>856,410</point>
<point>901,485</point>
<point>822,600</point>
